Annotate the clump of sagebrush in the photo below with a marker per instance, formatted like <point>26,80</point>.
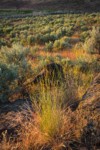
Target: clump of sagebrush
<point>61,44</point>
<point>30,39</point>
<point>14,70</point>
<point>49,46</point>
<point>92,44</point>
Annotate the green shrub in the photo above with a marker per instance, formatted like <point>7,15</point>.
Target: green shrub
<point>45,38</point>
<point>84,35</point>
<point>61,32</point>
<point>92,44</point>
<point>7,29</point>
<point>95,66</point>
<point>13,34</point>
<point>49,46</point>
<point>1,31</point>
<point>39,39</point>
<point>14,70</point>
<point>67,62</point>
<point>2,43</point>
<point>83,65</point>
<point>8,75</point>
<point>31,39</point>
<point>47,29</point>
<point>62,43</point>
<point>23,27</point>
<point>84,28</point>
<point>53,36</point>
<point>69,30</point>
<point>34,49</point>
<point>56,44</point>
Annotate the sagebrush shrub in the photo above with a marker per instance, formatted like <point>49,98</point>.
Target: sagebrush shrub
<point>92,44</point>
<point>2,42</point>
<point>14,70</point>
<point>30,39</point>
<point>62,43</point>
<point>49,46</point>
<point>7,29</point>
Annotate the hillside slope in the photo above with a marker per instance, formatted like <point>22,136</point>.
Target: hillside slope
<point>84,5</point>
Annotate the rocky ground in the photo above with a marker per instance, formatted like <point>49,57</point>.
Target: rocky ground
<point>10,120</point>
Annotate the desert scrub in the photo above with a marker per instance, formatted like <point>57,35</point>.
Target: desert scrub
<point>78,77</point>
<point>44,30</point>
<point>53,36</point>
<point>47,29</point>
<point>34,49</point>
<point>92,44</point>
<point>83,65</point>
<point>14,70</point>
<point>49,46</point>
<point>31,40</point>
<point>2,42</point>
<point>62,44</point>
<point>95,66</point>
<point>84,35</point>
<point>7,30</point>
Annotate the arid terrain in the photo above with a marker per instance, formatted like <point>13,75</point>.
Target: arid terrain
<point>49,75</point>
<point>83,5</point>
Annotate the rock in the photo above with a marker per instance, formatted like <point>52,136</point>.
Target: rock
<point>90,106</point>
<point>53,73</point>
<point>12,116</point>
<point>91,98</point>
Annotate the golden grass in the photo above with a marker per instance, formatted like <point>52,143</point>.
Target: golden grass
<point>69,129</point>
<point>53,125</point>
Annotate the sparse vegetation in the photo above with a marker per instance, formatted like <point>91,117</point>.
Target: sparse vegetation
<point>14,70</point>
<point>92,44</point>
<point>27,46</point>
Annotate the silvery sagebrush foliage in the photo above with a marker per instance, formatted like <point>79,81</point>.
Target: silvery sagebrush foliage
<point>14,69</point>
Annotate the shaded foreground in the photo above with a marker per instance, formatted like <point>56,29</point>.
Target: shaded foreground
<point>50,126</point>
